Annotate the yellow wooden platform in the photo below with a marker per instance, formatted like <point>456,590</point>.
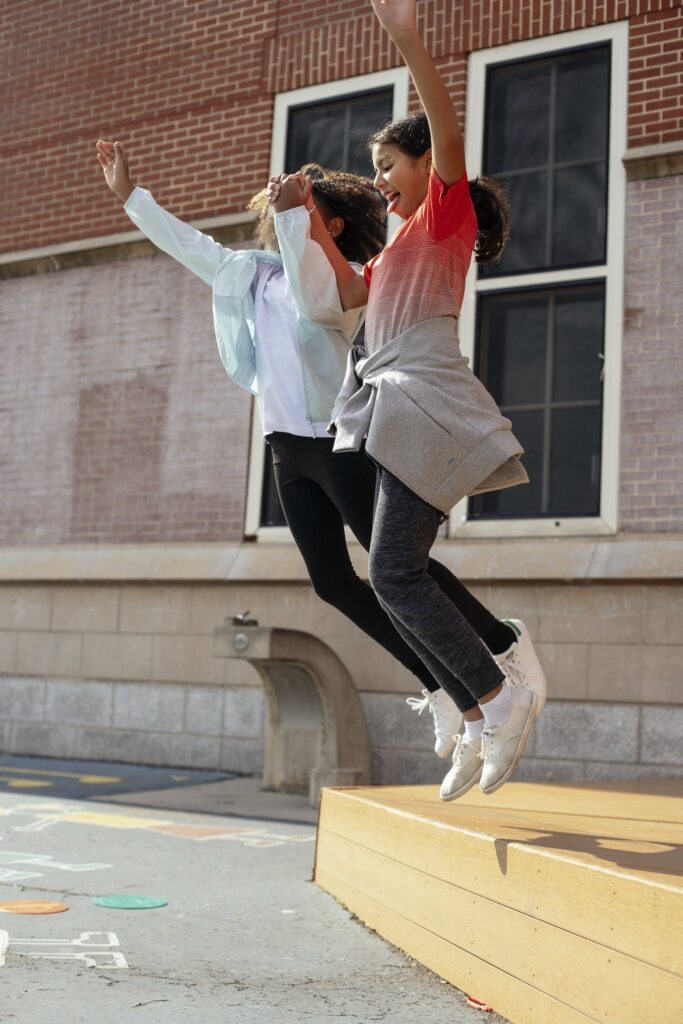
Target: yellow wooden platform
<point>557,904</point>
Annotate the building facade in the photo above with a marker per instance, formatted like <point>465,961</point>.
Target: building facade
<point>136,499</point>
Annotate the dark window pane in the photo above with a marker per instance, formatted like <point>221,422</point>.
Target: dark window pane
<point>332,133</point>
<point>581,117</point>
<point>367,114</point>
<point>575,461</point>
<point>513,348</point>
<point>315,136</point>
<point>539,356</point>
<point>527,247</point>
<point>543,117</point>
<point>525,499</point>
<point>579,225</point>
<point>577,366</point>
<point>519,111</point>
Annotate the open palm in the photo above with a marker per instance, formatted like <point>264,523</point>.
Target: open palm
<point>396,15</point>
<point>115,166</point>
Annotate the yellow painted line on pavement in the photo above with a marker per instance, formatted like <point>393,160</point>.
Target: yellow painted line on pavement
<point>91,780</point>
<point>24,783</point>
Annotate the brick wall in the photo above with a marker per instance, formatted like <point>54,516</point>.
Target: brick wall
<point>188,85</point>
<point>179,81</point>
<point>656,77</point>
<point>118,420</point>
<point>652,383</point>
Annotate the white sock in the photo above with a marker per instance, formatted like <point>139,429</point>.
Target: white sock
<point>497,710</point>
<point>473,730</point>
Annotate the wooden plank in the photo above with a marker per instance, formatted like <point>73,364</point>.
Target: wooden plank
<point>633,800</point>
<point>592,978</point>
<point>519,1003</point>
<point>600,900</point>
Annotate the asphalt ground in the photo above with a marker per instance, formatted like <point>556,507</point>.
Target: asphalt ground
<point>91,780</point>
<point>245,937</point>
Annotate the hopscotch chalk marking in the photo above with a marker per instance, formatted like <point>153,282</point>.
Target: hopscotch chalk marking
<point>47,815</point>
<point>45,860</point>
<point>99,951</point>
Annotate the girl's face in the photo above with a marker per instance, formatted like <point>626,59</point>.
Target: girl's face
<point>403,180</point>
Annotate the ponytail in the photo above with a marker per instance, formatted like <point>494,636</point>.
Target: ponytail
<point>493,219</point>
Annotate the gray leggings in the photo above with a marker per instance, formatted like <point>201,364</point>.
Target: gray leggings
<point>404,530</point>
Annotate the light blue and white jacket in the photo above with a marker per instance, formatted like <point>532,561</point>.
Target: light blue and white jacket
<point>324,331</point>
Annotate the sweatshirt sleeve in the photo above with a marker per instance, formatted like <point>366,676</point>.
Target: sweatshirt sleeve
<point>196,251</point>
<point>310,275</point>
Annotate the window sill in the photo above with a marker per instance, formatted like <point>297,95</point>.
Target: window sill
<point>628,557</point>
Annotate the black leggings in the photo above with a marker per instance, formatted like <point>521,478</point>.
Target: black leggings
<point>320,491</point>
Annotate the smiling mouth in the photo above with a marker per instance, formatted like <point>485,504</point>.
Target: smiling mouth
<point>392,199</point>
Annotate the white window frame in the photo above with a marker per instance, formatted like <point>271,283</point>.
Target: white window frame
<point>612,272</point>
<point>284,101</point>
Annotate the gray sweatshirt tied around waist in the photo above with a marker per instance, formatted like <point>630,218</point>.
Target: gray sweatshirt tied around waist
<point>427,419</point>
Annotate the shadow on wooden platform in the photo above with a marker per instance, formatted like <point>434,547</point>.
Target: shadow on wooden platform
<point>557,904</point>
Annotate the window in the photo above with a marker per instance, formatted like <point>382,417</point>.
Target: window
<point>539,354</point>
<point>326,124</point>
<point>543,327</point>
<point>546,138</point>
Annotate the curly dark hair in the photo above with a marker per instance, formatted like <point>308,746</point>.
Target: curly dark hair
<point>490,201</point>
<point>342,194</point>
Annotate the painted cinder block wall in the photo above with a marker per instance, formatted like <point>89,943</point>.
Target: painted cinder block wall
<point>118,426</point>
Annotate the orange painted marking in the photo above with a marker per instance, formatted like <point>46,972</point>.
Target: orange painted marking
<point>32,907</point>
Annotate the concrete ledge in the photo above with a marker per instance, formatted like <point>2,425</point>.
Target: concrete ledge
<point>233,228</point>
<point>627,557</point>
<point>660,161</point>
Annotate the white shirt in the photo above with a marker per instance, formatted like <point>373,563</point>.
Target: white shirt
<point>281,397</point>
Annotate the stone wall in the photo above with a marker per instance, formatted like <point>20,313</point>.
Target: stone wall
<point>125,672</point>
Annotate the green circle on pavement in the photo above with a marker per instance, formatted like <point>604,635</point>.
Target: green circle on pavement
<point>130,902</point>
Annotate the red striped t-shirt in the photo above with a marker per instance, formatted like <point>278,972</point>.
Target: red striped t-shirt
<point>421,271</point>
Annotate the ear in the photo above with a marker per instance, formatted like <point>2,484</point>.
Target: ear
<point>427,157</point>
<point>336,226</point>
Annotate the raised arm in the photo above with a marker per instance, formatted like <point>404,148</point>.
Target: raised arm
<point>310,276</point>
<point>353,291</point>
<point>195,250</point>
<point>399,18</point>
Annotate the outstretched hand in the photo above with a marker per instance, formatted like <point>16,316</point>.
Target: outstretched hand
<point>115,167</point>
<point>397,16</point>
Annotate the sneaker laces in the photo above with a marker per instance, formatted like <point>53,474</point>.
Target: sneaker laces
<point>461,744</point>
<point>512,669</point>
<point>488,743</point>
<point>458,751</point>
<point>419,704</point>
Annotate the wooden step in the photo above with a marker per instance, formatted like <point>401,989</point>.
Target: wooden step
<point>556,904</point>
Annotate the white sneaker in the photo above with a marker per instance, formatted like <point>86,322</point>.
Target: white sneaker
<point>503,745</point>
<point>447,718</point>
<point>520,663</point>
<point>466,770</point>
